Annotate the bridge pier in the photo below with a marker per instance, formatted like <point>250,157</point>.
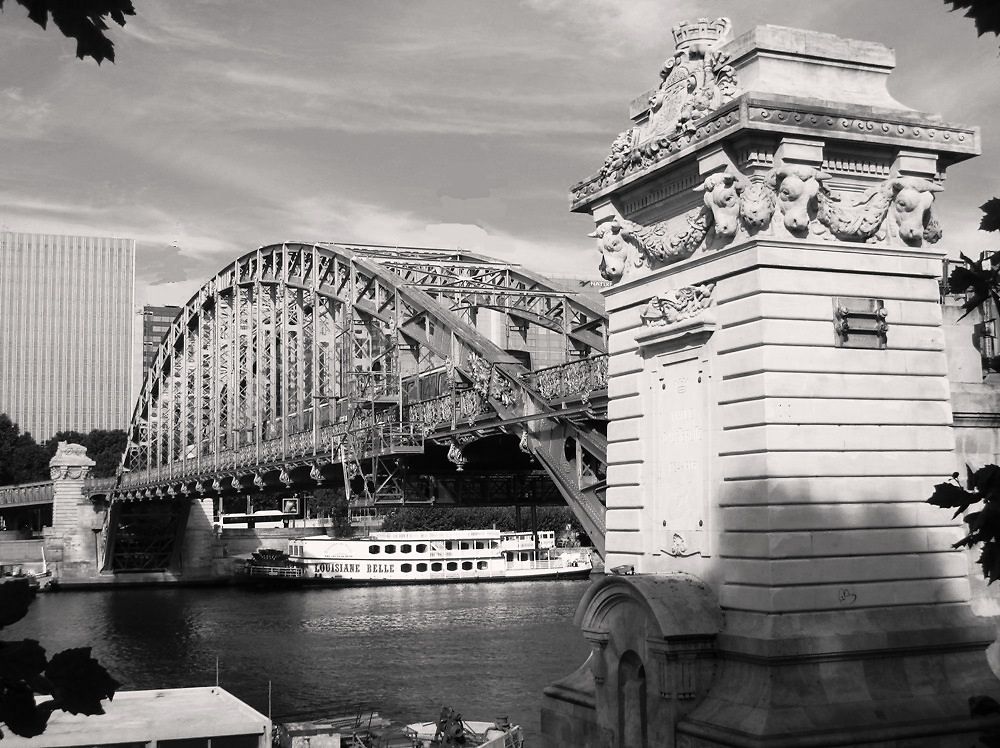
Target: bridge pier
<point>779,410</point>
<point>199,544</point>
<point>72,543</point>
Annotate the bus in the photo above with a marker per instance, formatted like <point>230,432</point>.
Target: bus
<point>262,518</point>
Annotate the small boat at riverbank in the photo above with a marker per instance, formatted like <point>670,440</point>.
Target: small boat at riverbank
<point>425,557</point>
<point>451,730</point>
<point>370,730</point>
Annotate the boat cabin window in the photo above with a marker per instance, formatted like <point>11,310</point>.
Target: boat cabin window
<point>452,566</point>
<point>421,548</point>
<point>405,548</point>
<point>524,556</point>
<point>421,567</point>
<point>466,566</point>
<point>406,567</point>
<point>464,545</point>
<point>480,564</point>
<point>436,566</point>
<point>480,545</point>
<point>390,549</point>
<point>447,545</point>
<point>373,549</point>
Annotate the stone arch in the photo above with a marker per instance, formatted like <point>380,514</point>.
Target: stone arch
<point>632,713</point>
<point>652,642</point>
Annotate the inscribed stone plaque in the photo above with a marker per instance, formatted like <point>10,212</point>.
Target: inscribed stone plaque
<point>680,458</point>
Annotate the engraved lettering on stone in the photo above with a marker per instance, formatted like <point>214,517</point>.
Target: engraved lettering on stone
<point>679,459</point>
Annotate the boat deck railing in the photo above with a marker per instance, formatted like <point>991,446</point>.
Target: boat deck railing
<point>551,563</point>
<point>286,572</point>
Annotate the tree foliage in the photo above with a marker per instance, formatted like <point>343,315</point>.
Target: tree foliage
<point>22,460</point>
<point>985,14</point>
<point>104,447</point>
<point>984,523</point>
<point>73,680</point>
<point>83,20</point>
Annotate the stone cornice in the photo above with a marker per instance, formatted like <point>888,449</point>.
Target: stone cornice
<point>787,116</point>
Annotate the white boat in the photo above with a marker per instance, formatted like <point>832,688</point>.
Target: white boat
<point>426,557</point>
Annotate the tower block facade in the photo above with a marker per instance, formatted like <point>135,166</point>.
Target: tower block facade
<point>779,412</point>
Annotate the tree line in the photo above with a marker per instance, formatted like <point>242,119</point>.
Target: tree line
<point>23,460</point>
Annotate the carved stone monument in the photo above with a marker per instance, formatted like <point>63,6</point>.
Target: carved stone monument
<point>779,411</point>
<point>71,543</point>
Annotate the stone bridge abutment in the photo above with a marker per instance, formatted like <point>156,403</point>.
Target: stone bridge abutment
<point>779,410</point>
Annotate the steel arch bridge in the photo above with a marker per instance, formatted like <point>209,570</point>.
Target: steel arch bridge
<point>302,363</point>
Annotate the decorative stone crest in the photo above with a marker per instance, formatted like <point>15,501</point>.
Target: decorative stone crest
<point>681,304</point>
<point>695,80</point>
<point>70,462</point>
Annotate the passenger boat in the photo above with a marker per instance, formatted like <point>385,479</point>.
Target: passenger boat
<point>426,557</point>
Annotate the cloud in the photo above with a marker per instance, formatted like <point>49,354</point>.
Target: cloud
<point>619,28</point>
<point>23,116</point>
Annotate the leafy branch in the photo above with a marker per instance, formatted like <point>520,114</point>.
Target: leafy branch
<point>83,20</point>
<point>74,681</point>
<point>983,524</point>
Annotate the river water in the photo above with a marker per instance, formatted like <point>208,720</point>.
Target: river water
<point>484,649</point>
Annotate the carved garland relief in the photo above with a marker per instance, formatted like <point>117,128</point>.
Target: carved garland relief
<point>790,200</point>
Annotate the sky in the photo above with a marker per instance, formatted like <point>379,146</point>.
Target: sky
<point>227,126</point>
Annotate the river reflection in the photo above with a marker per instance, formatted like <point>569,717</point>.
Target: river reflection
<point>484,649</point>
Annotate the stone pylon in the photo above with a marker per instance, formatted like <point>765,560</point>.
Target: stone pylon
<point>779,410</point>
<point>72,544</point>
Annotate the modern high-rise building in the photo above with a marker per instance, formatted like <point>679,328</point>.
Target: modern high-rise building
<point>156,320</point>
<point>66,331</point>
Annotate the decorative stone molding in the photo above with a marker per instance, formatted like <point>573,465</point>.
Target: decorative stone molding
<point>598,663</point>
<point>752,113</point>
<point>680,304</point>
<point>70,462</point>
<point>898,211</point>
<point>685,666</point>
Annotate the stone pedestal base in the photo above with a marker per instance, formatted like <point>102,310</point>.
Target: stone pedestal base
<point>897,676</point>
<point>569,713</point>
<point>881,677</point>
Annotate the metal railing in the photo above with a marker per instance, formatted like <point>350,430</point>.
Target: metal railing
<point>577,379</point>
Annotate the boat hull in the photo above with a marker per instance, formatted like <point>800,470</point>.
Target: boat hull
<point>262,578</point>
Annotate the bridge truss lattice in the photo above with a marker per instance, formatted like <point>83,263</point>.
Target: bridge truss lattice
<point>300,362</point>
